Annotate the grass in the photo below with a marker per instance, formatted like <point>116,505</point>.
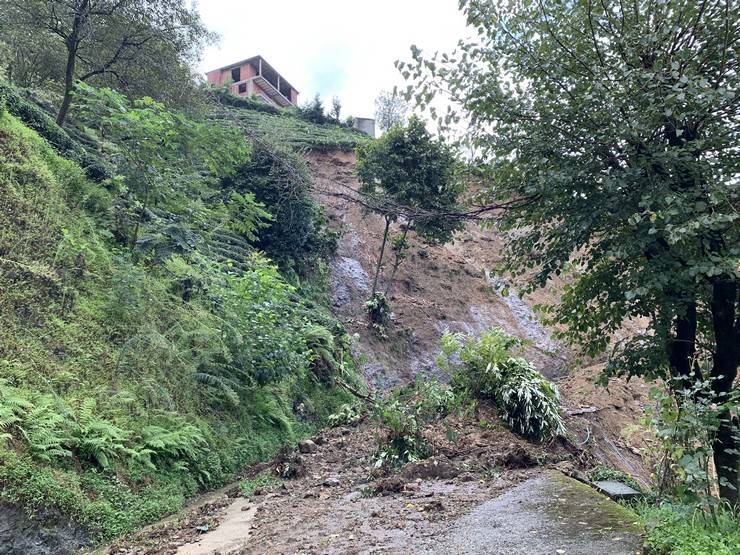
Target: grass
<point>286,128</point>
<point>262,481</point>
<point>674,529</point>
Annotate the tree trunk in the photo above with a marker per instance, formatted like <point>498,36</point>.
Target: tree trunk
<point>724,371</point>
<point>682,348</point>
<point>397,260</point>
<point>72,43</point>
<point>382,252</point>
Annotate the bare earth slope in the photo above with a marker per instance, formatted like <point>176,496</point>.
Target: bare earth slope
<point>436,288</point>
<point>452,287</point>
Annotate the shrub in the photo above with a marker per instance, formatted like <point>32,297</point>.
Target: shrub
<point>379,310</point>
<point>682,530</point>
<point>313,111</point>
<point>402,441</point>
<point>348,414</point>
<point>279,180</point>
<point>226,97</point>
<point>686,424</point>
<point>484,369</point>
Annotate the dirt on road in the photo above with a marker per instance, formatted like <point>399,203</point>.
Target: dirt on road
<point>336,506</point>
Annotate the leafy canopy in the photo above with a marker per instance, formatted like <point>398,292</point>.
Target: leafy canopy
<point>612,134</point>
<point>415,175</point>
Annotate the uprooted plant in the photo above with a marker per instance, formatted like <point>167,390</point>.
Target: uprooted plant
<point>403,414</point>
<point>484,369</point>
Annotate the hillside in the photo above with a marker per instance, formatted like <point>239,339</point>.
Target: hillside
<point>134,377</point>
<point>137,374</point>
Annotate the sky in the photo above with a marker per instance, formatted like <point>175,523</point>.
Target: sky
<point>332,47</point>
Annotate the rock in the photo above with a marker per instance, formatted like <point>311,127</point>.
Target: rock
<point>319,440</point>
<point>49,532</point>
<point>435,468</point>
<point>515,456</point>
<point>307,446</point>
<point>289,464</point>
<point>392,484</point>
<point>332,482</point>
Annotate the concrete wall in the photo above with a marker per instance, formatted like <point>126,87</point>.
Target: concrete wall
<point>218,77</point>
<point>366,125</point>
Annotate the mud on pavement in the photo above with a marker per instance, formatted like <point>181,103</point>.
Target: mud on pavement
<point>331,506</point>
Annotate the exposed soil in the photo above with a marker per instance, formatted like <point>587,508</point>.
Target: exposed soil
<point>336,507</point>
<point>455,287</point>
<point>436,288</point>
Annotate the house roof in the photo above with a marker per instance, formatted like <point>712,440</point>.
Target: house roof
<point>255,60</point>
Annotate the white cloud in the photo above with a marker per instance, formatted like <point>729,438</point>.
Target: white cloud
<point>333,47</point>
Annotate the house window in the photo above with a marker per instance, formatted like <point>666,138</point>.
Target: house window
<point>242,88</point>
<point>236,74</point>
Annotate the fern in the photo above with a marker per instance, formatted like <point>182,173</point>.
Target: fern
<point>96,440</point>
<point>221,385</point>
<point>35,418</point>
<point>43,428</point>
<point>322,346</point>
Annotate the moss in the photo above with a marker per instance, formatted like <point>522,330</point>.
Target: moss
<point>586,505</point>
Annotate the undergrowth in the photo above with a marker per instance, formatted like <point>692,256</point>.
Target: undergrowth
<point>140,368</point>
<point>675,529</point>
<point>484,368</point>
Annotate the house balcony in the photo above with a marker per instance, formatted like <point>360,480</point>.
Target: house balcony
<point>265,82</point>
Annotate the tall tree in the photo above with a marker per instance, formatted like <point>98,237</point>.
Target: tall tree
<point>390,109</point>
<point>614,128</point>
<point>408,174</point>
<point>119,42</point>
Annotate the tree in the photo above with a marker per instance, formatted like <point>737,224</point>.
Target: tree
<point>611,131</point>
<point>336,109</point>
<point>162,156</point>
<point>409,174</point>
<point>313,110</point>
<point>390,109</point>
<point>134,44</point>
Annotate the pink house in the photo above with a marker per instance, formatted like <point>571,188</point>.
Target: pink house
<point>255,76</point>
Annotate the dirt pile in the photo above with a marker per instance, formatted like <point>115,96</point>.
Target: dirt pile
<point>334,507</point>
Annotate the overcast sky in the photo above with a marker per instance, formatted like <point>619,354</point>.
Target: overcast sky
<point>333,47</point>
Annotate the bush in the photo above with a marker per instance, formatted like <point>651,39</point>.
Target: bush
<point>279,180</point>
<point>313,111</point>
<point>402,441</point>
<point>348,414</point>
<point>682,530</point>
<point>379,310</point>
<point>224,96</point>
<point>403,413</point>
<point>484,369</point>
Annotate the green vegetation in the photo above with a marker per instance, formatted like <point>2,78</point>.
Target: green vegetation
<point>285,127</point>
<point>483,368</point>
<point>148,351</point>
<point>402,414</point>
<point>260,482</point>
<point>608,137</point>
<point>681,530</point>
<point>295,236</point>
<point>143,47</point>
